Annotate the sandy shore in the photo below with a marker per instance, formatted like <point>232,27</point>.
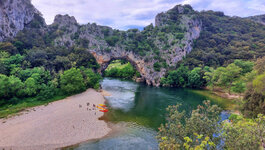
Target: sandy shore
<point>61,123</point>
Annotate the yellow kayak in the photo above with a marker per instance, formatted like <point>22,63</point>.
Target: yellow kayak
<point>102,105</point>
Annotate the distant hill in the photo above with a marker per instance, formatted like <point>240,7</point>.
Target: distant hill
<point>258,18</point>
<point>224,39</point>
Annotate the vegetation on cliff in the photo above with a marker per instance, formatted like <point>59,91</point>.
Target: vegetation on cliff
<point>224,39</point>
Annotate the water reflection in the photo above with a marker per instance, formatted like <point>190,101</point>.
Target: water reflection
<point>131,137</point>
<point>122,93</point>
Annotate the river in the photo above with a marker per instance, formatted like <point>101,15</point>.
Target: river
<point>136,111</point>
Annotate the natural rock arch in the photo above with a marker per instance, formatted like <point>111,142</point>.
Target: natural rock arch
<point>152,51</point>
<point>104,59</point>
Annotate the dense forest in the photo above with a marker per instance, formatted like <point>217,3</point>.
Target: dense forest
<point>41,74</point>
<point>224,39</point>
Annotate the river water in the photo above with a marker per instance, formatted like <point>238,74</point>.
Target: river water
<point>136,111</point>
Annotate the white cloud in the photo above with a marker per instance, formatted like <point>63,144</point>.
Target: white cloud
<point>123,13</point>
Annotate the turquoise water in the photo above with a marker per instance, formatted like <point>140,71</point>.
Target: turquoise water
<point>136,111</point>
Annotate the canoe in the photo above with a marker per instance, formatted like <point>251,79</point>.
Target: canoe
<point>104,110</point>
<point>102,105</point>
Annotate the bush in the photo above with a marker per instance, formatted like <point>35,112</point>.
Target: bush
<point>119,70</point>
<point>179,128</point>
<point>72,81</point>
<point>157,66</point>
<point>91,79</point>
<point>112,40</point>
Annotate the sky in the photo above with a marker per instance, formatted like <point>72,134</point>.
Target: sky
<point>126,14</point>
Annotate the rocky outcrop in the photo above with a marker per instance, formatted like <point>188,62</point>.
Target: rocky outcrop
<point>162,45</point>
<point>187,20</point>
<point>14,15</point>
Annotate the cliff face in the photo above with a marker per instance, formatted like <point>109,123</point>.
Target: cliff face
<point>152,51</point>
<point>163,45</point>
<point>14,15</point>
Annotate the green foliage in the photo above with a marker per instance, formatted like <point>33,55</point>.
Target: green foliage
<point>253,102</point>
<point>259,84</point>
<point>31,87</point>
<point>183,77</point>
<point>112,40</point>
<point>199,143</point>
<point>260,65</point>
<point>243,133</point>
<point>229,75</point>
<point>10,87</point>
<point>195,78</point>
<point>91,79</point>
<point>179,131</point>
<point>180,36</point>
<point>238,86</point>
<point>8,47</point>
<point>233,77</point>
<point>157,66</point>
<point>72,81</point>
<point>246,66</point>
<point>119,70</point>
<point>224,39</point>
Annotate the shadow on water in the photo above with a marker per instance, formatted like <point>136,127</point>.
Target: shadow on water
<point>137,111</point>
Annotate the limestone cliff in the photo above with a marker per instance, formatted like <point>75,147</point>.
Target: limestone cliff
<point>165,44</point>
<point>14,15</point>
<point>152,51</point>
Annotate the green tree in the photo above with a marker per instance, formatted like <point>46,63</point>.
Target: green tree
<point>246,66</point>
<point>4,86</point>
<point>8,47</point>
<point>230,74</point>
<point>112,40</point>
<point>260,65</point>
<point>15,86</point>
<point>176,78</point>
<point>157,66</point>
<point>259,84</point>
<point>199,143</point>
<point>238,86</point>
<point>91,79</point>
<point>72,81</point>
<point>127,72</point>
<point>31,87</point>
<point>203,121</point>
<point>253,102</point>
<point>47,91</point>
<point>195,79</point>
<point>208,76</point>
<point>243,133</point>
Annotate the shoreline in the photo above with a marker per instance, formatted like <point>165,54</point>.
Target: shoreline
<point>60,124</point>
<point>227,104</point>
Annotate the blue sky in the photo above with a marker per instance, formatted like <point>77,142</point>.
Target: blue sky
<point>125,14</point>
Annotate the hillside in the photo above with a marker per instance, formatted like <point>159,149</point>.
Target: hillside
<point>224,39</point>
<point>258,19</point>
<point>209,38</point>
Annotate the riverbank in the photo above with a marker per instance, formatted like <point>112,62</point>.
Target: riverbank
<point>231,103</point>
<point>59,124</point>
